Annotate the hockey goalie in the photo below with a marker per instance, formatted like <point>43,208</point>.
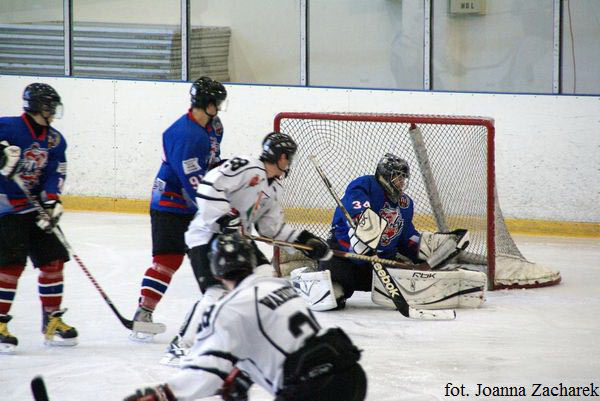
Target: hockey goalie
<point>382,215</point>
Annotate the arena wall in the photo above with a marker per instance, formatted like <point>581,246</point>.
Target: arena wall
<point>547,147</point>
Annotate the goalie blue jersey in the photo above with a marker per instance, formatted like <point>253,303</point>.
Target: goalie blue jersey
<point>400,234</point>
<point>189,150</point>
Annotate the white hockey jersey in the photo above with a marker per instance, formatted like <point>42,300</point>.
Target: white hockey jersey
<point>241,183</point>
<point>255,327</point>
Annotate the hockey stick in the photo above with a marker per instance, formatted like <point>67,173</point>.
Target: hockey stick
<point>381,271</point>
<point>342,254</point>
<point>38,388</point>
<point>143,327</point>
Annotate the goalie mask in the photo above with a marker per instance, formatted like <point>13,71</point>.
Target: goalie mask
<point>206,91</point>
<point>39,98</point>
<point>276,144</point>
<point>231,253</point>
<point>393,174</point>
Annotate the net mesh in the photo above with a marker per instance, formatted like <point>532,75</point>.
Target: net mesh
<point>449,177</point>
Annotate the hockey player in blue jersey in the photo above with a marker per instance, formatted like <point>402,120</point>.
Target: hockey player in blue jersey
<point>383,216</point>
<point>33,153</point>
<point>190,147</point>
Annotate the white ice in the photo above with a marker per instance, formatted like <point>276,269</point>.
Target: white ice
<point>520,337</point>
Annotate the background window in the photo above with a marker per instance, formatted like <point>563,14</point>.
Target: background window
<point>505,48</point>
<point>366,43</point>
<point>581,46</point>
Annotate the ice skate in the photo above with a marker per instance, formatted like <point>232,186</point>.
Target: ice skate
<point>142,315</point>
<point>56,332</point>
<point>8,342</point>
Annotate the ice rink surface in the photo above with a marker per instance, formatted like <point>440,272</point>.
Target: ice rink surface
<point>519,338</point>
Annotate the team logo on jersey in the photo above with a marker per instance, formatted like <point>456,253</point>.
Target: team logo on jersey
<point>34,161</point>
<point>254,181</point>
<point>218,127</point>
<point>404,201</point>
<point>53,139</point>
<point>213,151</point>
<point>395,223</point>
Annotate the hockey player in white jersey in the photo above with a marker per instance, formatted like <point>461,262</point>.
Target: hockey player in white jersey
<point>241,194</point>
<point>261,332</point>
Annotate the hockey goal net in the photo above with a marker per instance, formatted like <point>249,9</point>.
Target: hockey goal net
<point>452,182</point>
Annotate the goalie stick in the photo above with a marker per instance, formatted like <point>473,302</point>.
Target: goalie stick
<point>381,271</point>
<point>336,252</point>
<point>38,388</point>
<point>144,327</point>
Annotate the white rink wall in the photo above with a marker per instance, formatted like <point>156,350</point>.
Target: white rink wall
<point>547,147</point>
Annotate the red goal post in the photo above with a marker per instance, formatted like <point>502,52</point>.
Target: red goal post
<point>452,179</point>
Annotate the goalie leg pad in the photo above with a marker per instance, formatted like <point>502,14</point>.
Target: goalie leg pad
<point>316,288</point>
<point>435,289</point>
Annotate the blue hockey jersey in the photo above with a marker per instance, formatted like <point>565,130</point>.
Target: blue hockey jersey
<point>400,234</point>
<point>43,161</point>
<point>189,150</point>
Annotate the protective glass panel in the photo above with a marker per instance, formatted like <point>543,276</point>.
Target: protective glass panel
<point>366,43</point>
<point>581,47</point>
<point>31,37</point>
<point>493,46</point>
<point>246,41</point>
<point>114,39</point>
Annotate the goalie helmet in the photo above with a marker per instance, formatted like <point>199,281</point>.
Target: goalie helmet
<point>393,173</point>
<point>205,91</point>
<point>38,98</point>
<point>231,253</point>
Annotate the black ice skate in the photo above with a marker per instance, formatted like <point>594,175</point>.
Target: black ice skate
<point>56,332</point>
<point>8,342</point>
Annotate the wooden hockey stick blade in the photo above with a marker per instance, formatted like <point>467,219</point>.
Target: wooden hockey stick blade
<point>38,388</point>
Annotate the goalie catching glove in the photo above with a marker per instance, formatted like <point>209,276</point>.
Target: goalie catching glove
<point>9,159</point>
<point>54,210</point>
<point>320,250</point>
<point>161,392</point>
<point>368,232</point>
<point>438,249</point>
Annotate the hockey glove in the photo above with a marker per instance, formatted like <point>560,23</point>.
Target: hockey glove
<point>159,393</point>
<point>230,223</point>
<point>9,159</point>
<point>236,386</point>
<point>438,249</point>
<point>320,250</point>
<point>54,210</point>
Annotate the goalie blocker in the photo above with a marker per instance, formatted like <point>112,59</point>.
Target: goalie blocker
<point>451,289</point>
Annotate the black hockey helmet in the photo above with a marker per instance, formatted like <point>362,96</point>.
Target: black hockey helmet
<point>389,168</point>
<point>231,253</point>
<point>276,144</point>
<point>38,97</point>
<point>205,91</point>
